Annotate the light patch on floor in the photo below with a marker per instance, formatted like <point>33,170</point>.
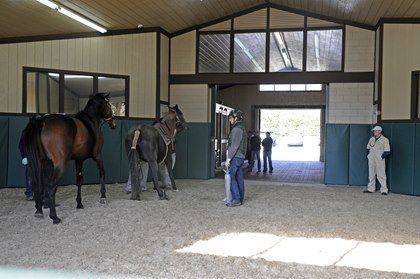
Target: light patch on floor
<point>312,251</point>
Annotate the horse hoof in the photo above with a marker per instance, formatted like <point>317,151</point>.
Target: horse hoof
<point>175,189</point>
<point>144,189</point>
<point>103,201</point>
<point>164,197</point>
<point>56,220</point>
<point>39,215</point>
<point>127,192</point>
<point>79,206</point>
<point>135,198</point>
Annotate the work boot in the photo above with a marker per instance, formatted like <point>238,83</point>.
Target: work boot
<point>367,192</point>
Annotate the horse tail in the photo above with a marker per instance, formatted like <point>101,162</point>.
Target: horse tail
<point>33,151</point>
<point>131,145</point>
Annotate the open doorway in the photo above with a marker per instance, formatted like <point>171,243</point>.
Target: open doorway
<point>296,133</point>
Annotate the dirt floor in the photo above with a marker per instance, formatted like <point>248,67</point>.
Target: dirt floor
<point>140,238</point>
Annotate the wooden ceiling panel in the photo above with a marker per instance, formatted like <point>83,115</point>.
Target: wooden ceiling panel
<point>28,17</point>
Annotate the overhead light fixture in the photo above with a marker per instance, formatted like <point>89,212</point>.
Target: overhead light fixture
<point>72,15</point>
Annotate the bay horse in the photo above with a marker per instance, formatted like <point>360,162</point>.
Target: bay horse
<point>153,144</point>
<point>52,140</point>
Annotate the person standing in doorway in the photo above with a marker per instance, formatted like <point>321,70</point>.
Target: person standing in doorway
<point>267,144</point>
<point>237,147</point>
<point>255,143</point>
<point>378,149</point>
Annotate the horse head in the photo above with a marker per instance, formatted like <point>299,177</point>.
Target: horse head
<point>181,124</point>
<point>105,109</point>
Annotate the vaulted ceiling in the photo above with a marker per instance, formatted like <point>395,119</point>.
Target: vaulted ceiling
<point>28,17</point>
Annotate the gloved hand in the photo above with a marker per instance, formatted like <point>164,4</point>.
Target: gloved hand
<point>385,154</point>
<point>25,161</point>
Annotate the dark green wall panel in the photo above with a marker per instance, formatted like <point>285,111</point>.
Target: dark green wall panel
<point>181,165</point>
<point>337,154</point>
<point>15,169</point>
<point>402,158</point>
<point>358,163</point>
<point>4,139</point>
<point>387,132</point>
<point>198,151</point>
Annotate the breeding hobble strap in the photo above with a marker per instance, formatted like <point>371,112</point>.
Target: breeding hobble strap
<point>135,139</point>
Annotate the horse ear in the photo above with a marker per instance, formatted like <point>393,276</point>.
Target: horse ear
<point>106,96</point>
<point>176,107</point>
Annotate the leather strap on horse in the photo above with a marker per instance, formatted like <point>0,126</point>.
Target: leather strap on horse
<point>135,139</point>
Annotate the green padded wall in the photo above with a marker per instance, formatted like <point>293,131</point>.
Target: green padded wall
<point>358,164</point>
<point>15,169</point>
<point>387,132</point>
<point>181,165</point>
<point>337,154</point>
<point>199,151</point>
<point>4,140</point>
<point>402,158</point>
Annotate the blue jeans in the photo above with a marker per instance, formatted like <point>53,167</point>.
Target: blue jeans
<point>237,186</point>
<point>255,153</point>
<point>267,155</point>
<point>28,184</point>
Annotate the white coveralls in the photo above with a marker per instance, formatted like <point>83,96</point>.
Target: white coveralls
<point>377,146</point>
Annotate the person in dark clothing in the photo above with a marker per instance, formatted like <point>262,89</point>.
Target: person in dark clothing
<point>28,185</point>
<point>255,143</point>
<point>267,143</point>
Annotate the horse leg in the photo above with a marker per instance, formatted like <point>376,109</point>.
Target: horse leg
<point>161,192</point>
<point>100,165</point>
<point>168,163</point>
<point>79,179</point>
<point>52,173</point>
<point>38,195</point>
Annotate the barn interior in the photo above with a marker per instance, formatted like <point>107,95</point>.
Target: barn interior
<point>318,75</point>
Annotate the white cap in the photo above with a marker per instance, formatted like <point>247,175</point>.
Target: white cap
<point>377,128</point>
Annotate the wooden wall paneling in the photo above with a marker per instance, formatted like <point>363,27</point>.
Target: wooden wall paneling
<point>55,54</point>
<point>71,54</point>
<point>30,54</point>
<point>282,19</point>
<point>254,20</point>
<point>22,57</point>
<point>314,22</point>
<point>221,26</point>
<point>13,101</point>
<point>135,101</point>
<point>164,68</point>
<point>86,54</point>
<point>107,44</point>
<point>93,65</point>
<point>47,54</point>
<point>63,54</point>
<point>4,77</point>
<point>121,53</point>
<point>114,54</point>
<point>79,54</point>
<point>39,54</point>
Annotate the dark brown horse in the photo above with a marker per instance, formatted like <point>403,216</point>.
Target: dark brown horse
<point>153,144</point>
<point>52,140</point>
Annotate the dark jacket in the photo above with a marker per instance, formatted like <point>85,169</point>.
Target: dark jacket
<point>21,146</point>
<point>255,143</point>
<point>267,143</point>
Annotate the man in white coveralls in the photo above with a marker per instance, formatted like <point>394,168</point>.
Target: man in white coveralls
<point>378,149</point>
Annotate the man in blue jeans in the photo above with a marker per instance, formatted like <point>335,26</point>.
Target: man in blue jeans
<point>267,144</point>
<point>237,147</point>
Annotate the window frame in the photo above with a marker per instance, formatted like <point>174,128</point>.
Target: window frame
<point>268,32</point>
<point>415,92</point>
<point>61,73</point>
<point>290,88</point>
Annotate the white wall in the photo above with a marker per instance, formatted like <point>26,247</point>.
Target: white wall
<point>193,100</point>
<point>401,56</point>
<point>359,50</point>
<point>133,55</point>
<point>350,103</point>
<point>183,50</point>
